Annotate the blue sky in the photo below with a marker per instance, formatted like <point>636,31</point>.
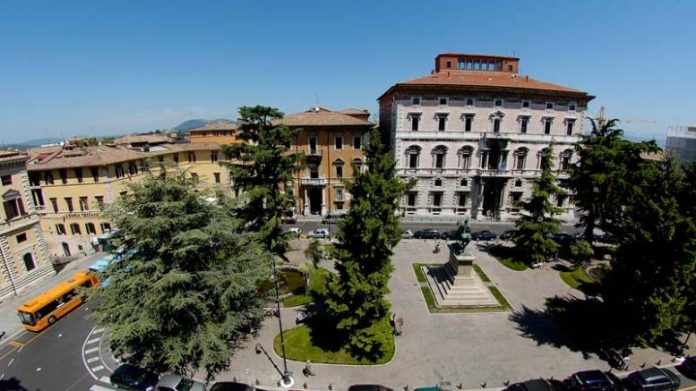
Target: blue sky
<point>112,67</point>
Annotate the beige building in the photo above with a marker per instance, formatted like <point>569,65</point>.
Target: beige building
<point>71,186</point>
<point>22,248</point>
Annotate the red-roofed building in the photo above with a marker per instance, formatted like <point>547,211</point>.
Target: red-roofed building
<point>471,133</point>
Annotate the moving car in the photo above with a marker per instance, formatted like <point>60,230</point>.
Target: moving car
<point>563,238</point>
<point>178,383</point>
<point>407,234</point>
<point>319,233</point>
<point>130,377</point>
<point>332,218</point>
<point>427,234</point>
<point>689,366</point>
<point>535,385</point>
<point>594,380</point>
<point>483,235</point>
<point>653,379</point>
<point>293,232</point>
<point>231,386</point>
<point>368,387</point>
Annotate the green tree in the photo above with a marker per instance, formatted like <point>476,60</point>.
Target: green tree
<point>263,170</point>
<point>537,220</point>
<point>314,251</point>
<point>354,300</point>
<point>581,252</point>
<point>185,293</point>
<point>653,271</point>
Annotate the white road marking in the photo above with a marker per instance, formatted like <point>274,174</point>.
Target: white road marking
<point>100,388</point>
<point>105,379</point>
<point>38,369</point>
<point>11,361</point>
<point>60,335</point>
<point>97,331</point>
<point>93,359</point>
<point>97,368</point>
<point>88,351</point>
<point>93,340</point>
<point>84,360</point>
<point>2,376</point>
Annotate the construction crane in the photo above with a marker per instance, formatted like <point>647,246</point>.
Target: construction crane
<point>600,117</point>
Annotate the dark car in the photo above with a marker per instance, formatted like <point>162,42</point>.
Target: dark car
<point>483,235</point>
<point>368,387</point>
<point>563,238</point>
<point>653,379</point>
<point>688,366</point>
<point>427,234</point>
<point>534,385</point>
<point>449,234</point>
<point>130,377</point>
<point>231,386</point>
<point>507,235</point>
<point>595,380</point>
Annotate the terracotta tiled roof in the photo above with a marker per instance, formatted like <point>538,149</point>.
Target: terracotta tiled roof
<point>219,125</point>
<point>143,138</point>
<point>319,116</point>
<point>351,110</point>
<point>7,155</point>
<point>486,79</point>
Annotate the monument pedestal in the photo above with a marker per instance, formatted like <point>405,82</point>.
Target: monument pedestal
<point>456,283</point>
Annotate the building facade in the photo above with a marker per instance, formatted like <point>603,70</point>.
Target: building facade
<point>22,247</point>
<point>221,132</point>
<point>331,142</point>
<point>682,144</point>
<point>471,134</point>
<point>71,187</point>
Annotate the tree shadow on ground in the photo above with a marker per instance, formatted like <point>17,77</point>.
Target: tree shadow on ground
<point>12,384</point>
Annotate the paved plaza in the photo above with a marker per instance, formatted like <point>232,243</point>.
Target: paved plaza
<point>465,348</point>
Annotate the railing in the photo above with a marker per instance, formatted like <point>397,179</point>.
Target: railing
<point>313,181</point>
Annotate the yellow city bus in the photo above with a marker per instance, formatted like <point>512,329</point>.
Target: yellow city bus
<point>45,309</point>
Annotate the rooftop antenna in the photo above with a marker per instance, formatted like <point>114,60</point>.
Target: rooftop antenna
<point>316,98</point>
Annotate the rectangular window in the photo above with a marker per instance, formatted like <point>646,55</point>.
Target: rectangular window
<point>441,122</point>
<point>78,175</point>
<point>48,177</point>
<point>549,105</point>
<point>100,202</point>
<point>83,204</point>
<point>68,202</point>
<point>217,177</point>
<point>412,199</point>
<point>314,172</point>
<point>21,238</point>
<point>90,229</point>
<point>213,156</point>
<point>569,127</point>
<point>413,160</point>
<point>571,106</point>
<point>525,104</point>
<point>357,142</point>
<point>54,204</point>
<point>191,157</point>
<point>520,162</point>
<point>105,227</point>
<point>415,120</point>
<point>63,175</point>
<point>75,229</point>
<point>339,194</point>
<point>11,210</point>
<point>313,145</point>
<point>439,160</point>
<point>338,142</point>
<point>498,102</point>
<point>523,124</point>
<point>443,100</point>
<point>415,100</point>
<point>119,171</point>
<point>95,174</point>
<point>132,168</point>
<point>469,102</point>
<point>496,125</point>
<point>467,123</point>
<point>339,171</point>
<point>461,200</point>
<point>60,229</point>
<point>547,127</point>
<point>6,180</point>
<point>565,162</point>
<point>437,199</point>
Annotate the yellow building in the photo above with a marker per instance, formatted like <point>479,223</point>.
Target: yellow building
<point>71,186</point>
<point>332,142</point>
<point>222,132</point>
<point>22,248</point>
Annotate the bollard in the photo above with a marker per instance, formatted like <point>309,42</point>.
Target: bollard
<point>483,385</point>
<point>304,385</point>
<point>330,387</point>
<point>258,383</point>
<point>460,386</point>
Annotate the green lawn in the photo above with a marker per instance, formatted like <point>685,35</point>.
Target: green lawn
<point>417,268</point>
<point>481,274</point>
<point>507,257</point>
<point>299,347</point>
<point>317,282</point>
<point>576,278</point>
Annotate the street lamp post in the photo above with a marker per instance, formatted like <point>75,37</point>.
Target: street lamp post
<point>286,377</point>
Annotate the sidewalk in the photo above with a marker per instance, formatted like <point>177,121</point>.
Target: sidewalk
<point>8,306</point>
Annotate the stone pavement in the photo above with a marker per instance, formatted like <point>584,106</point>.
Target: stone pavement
<point>468,349</point>
<point>9,322</point>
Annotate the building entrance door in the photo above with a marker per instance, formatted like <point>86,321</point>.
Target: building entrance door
<point>492,193</point>
<point>315,201</point>
<point>66,249</point>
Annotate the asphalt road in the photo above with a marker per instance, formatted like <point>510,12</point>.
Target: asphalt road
<point>497,228</point>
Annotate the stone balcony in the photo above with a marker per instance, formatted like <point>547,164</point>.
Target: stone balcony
<point>306,181</point>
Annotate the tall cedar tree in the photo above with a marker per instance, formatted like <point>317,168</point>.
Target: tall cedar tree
<point>654,268</point>
<point>186,291</point>
<point>538,220</point>
<point>263,170</point>
<point>355,299</point>
<point>687,203</point>
<point>598,180</point>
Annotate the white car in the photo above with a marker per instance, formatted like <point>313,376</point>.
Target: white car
<point>408,234</point>
<point>319,233</point>
<point>294,231</point>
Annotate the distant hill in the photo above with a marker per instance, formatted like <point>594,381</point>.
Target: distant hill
<point>41,141</point>
<point>190,124</point>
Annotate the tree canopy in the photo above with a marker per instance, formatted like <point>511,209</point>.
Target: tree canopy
<point>185,292</point>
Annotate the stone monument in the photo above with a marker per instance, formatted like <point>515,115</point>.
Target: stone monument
<point>456,284</point>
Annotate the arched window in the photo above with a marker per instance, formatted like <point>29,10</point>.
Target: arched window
<point>412,156</point>
<point>338,168</point>
<point>497,120</point>
<point>565,159</point>
<point>544,152</point>
<point>465,154</point>
<point>521,157</point>
<point>439,154</point>
<point>29,262</point>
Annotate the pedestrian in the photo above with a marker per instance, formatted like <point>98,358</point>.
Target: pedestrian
<point>307,371</point>
<point>399,325</point>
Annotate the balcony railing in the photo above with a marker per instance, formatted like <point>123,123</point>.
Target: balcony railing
<point>313,181</point>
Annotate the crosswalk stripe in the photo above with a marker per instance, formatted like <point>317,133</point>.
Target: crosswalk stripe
<point>97,331</point>
<point>88,351</point>
<point>105,379</point>
<point>100,388</point>
<point>93,359</point>
<point>97,368</point>
<point>93,340</point>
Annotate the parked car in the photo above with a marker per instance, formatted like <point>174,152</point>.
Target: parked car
<point>688,366</point>
<point>594,380</point>
<point>319,233</point>
<point>289,217</point>
<point>293,232</point>
<point>535,385</point>
<point>407,234</point>
<point>130,377</point>
<point>427,234</point>
<point>653,379</point>
<point>483,235</point>
<point>449,235</point>
<point>563,238</point>
<point>231,386</point>
<point>332,218</point>
<point>507,235</point>
<point>178,383</point>
<point>368,387</point>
